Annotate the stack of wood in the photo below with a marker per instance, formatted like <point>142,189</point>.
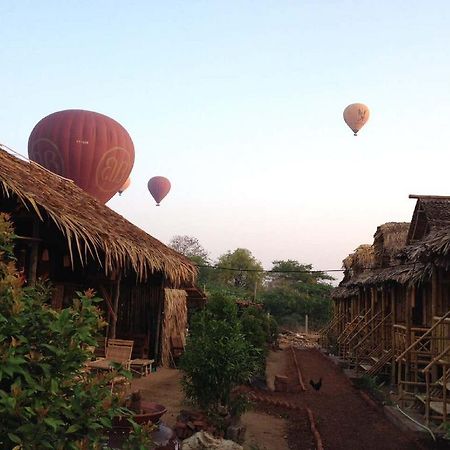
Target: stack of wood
<point>190,422</point>
<point>297,340</point>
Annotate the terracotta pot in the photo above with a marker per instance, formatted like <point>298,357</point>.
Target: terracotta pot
<point>151,412</point>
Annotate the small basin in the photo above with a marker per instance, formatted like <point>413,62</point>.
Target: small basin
<point>150,412</point>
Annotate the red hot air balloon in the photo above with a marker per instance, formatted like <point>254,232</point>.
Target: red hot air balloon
<point>91,149</point>
<point>159,187</point>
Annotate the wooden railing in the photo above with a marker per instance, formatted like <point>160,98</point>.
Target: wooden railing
<point>441,336</point>
<point>351,328</point>
<point>370,348</point>
<point>364,329</point>
<point>420,357</point>
<point>330,329</point>
<point>403,340</point>
<point>428,334</point>
<point>375,332</point>
<point>437,392</point>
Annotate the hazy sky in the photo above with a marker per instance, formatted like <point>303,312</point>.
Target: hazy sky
<point>239,103</point>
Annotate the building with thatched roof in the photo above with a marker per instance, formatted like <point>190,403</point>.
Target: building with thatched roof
<point>392,309</point>
<point>68,237</point>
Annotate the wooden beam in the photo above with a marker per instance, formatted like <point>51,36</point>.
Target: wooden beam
<point>34,255</point>
<point>113,328</point>
<point>430,197</point>
<point>434,292</point>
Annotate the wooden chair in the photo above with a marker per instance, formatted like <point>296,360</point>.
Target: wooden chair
<point>117,351</point>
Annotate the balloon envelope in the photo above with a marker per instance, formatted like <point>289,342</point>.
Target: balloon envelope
<point>91,149</point>
<point>159,187</point>
<point>125,186</point>
<point>356,115</point>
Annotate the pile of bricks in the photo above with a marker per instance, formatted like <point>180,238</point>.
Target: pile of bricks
<point>190,422</point>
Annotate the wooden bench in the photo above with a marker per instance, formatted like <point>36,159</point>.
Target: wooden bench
<point>142,366</point>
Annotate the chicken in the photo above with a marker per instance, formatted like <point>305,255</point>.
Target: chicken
<point>317,385</point>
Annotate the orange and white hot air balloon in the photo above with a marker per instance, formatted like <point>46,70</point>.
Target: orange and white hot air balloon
<point>355,116</point>
<point>125,186</point>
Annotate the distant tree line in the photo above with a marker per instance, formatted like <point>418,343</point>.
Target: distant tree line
<point>288,292</point>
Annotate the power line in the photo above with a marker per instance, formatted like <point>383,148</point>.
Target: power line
<point>267,271</point>
<point>235,269</point>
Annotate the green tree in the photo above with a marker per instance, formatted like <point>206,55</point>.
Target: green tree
<point>294,290</point>
<point>190,247</point>
<point>217,356</point>
<point>239,273</point>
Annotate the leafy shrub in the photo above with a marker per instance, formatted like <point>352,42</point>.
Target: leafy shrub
<point>46,399</point>
<point>217,356</point>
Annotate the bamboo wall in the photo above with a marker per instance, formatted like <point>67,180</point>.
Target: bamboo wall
<point>175,321</point>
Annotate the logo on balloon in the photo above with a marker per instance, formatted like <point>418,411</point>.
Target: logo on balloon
<point>46,153</point>
<point>113,169</point>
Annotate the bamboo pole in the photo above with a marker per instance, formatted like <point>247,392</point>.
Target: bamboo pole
<point>32,268</point>
<point>434,292</point>
<point>393,343</point>
<point>116,308</point>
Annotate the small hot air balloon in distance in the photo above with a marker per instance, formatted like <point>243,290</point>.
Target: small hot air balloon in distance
<point>159,187</point>
<point>93,150</point>
<point>355,116</point>
<point>125,186</point>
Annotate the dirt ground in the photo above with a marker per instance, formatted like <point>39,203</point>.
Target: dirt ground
<point>264,431</point>
<point>344,420</point>
<point>279,420</point>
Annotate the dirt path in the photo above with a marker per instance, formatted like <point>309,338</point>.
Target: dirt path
<point>264,431</point>
<point>344,420</point>
<point>279,420</point>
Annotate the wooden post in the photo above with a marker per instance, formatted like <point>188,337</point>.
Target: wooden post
<point>159,318</point>
<point>393,343</point>
<point>373,296</point>
<point>434,293</point>
<point>116,308</point>
<point>34,255</point>
<point>383,315</point>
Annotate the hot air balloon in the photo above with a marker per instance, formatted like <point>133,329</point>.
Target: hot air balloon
<point>355,116</point>
<point>159,187</point>
<point>125,186</point>
<point>91,149</point>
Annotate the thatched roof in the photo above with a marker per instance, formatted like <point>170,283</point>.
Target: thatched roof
<point>91,228</point>
<point>362,258</point>
<point>434,248</point>
<point>371,265</point>
<point>344,292</point>
<point>431,213</point>
<point>389,239</point>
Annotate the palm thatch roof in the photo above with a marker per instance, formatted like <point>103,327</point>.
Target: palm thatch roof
<point>90,227</point>
<point>431,213</point>
<point>362,258</point>
<point>344,292</point>
<point>434,248</point>
<point>371,265</point>
<point>389,239</point>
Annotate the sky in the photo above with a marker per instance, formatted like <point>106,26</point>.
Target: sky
<point>239,103</point>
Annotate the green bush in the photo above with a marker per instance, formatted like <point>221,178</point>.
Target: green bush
<point>46,399</point>
<point>217,356</point>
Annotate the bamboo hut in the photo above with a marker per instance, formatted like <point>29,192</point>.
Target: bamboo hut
<point>68,237</point>
<point>394,307</point>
